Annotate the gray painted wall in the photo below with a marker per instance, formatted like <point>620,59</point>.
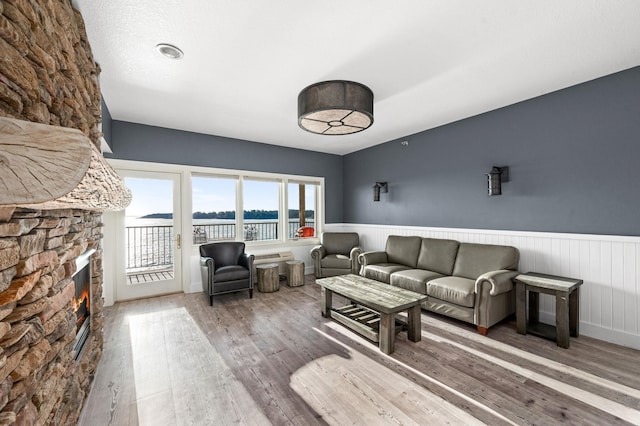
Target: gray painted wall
<point>106,122</point>
<point>574,159</point>
<point>155,144</point>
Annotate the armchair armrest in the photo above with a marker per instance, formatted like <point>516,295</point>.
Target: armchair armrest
<point>372,257</point>
<point>318,252</point>
<point>501,281</point>
<point>207,267</point>
<point>207,262</point>
<point>246,260</point>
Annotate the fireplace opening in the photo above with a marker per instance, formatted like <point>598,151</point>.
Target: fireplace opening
<point>82,300</point>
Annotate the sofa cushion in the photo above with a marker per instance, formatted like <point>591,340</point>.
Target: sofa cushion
<point>474,260</point>
<point>339,261</point>
<point>457,290</point>
<point>340,242</point>
<point>382,271</point>
<point>413,279</point>
<point>403,250</point>
<point>438,255</point>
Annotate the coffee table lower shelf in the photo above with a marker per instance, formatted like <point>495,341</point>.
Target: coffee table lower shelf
<point>363,321</point>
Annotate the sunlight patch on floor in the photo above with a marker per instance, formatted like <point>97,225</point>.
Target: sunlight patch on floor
<point>180,379</point>
<point>356,396</point>
<point>529,357</point>
<point>612,407</point>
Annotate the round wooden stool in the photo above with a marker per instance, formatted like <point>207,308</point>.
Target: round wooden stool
<point>295,273</point>
<point>268,277</point>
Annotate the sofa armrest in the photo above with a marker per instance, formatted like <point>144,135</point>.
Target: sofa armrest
<point>354,256</point>
<point>501,281</point>
<point>372,257</point>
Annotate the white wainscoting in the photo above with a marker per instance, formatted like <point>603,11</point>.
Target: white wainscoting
<point>609,266</point>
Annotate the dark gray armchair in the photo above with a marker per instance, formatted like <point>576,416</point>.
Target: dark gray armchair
<point>337,254</point>
<point>225,268</point>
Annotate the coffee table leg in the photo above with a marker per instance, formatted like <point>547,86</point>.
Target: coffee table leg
<point>413,323</point>
<point>326,302</point>
<point>387,332</point>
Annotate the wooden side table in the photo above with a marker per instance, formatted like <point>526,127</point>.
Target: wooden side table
<point>567,293</point>
<point>295,273</point>
<point>268,277</point>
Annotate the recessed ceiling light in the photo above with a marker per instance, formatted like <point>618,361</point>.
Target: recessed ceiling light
<point>169,51</point>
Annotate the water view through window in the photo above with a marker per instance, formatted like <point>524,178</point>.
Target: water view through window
<point>149,230</point>
<point>149,217</point>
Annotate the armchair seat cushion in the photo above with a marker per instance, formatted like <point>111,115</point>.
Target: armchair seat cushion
<point>231,273</point>
<point>458,290</point>
<point>382,271</point>
<point>414,279</point>
<point>339,261</point>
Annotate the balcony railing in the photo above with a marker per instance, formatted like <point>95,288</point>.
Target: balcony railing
<point>150,247</point>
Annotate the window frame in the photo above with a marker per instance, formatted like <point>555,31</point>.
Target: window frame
<point>283,182</point>
<point>317,207</point>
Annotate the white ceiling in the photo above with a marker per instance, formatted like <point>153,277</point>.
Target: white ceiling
<point>428,62</point>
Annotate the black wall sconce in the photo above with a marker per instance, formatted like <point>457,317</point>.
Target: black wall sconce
<point>378,188</point>
<point>495,178</point>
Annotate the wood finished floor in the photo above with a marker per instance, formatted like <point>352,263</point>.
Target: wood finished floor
<point>274,359</point>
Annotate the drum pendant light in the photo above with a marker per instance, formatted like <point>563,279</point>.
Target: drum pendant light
<point>335,107</point>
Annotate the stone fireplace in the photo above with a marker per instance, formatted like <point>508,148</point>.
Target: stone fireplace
<point>48,76</point>
<point>42,382</point>
<point>81,301</point>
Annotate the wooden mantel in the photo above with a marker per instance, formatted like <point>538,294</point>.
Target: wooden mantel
<point>50,167</point>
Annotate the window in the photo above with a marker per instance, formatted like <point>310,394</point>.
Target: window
<point>218,199</point>
<point>261,212</point>
<point>213,201</point>
<point>302,210</point>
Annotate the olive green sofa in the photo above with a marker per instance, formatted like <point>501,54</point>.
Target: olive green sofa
<point>469,282</point>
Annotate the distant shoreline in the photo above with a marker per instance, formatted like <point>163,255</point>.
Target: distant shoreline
<point>252,215</point>
<point>157,216</point>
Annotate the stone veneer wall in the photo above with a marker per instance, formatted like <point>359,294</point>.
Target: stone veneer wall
<point>40,383</point>
<point>47,75</point>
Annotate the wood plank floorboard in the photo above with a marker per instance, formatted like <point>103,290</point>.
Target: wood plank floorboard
<point>273,359</point>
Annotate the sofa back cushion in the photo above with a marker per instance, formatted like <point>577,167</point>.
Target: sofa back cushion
<point>340,242</point>
<point>438,255</point>
<point>403,250</point>
<point>474,260</point>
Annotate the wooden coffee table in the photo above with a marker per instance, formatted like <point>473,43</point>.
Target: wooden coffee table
<point>374,310</point>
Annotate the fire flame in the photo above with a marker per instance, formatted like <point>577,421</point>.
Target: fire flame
<point>82,300</point>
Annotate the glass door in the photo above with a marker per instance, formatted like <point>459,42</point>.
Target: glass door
<point>149,260</point>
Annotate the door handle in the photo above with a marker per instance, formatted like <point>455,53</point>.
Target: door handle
<point>179,241</point>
